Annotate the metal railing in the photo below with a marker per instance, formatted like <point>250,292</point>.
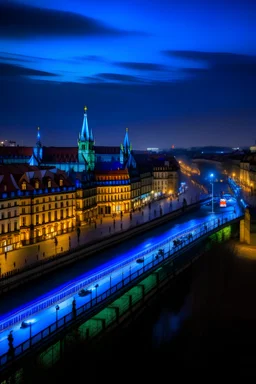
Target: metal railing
<point>84,282</point>
<point>68,319</point>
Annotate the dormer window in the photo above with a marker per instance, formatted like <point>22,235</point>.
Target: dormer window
<point>5,188</point>
<point>24,186</point>
<point>36,184</point>
<point>49,184</point>
<point>61,182</point>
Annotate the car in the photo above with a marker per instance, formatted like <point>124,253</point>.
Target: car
<point>140,260</point>
<point>84,292</point>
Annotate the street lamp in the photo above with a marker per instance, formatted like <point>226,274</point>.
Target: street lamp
<point>30,333</point>
<point>96,287</point>
<point>211,176</point>
<point>57,307</point>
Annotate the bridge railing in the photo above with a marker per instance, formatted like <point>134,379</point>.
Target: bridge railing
<point>148,264</point>
<point>84,282</point>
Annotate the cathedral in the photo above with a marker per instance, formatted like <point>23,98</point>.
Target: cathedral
<point>48,191</point>
<point>86,157</point>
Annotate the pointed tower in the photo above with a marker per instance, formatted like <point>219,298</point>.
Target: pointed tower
<point>125,149</point>
<point>86,153</point>
<point>37,154</point>
<point>85,130</point>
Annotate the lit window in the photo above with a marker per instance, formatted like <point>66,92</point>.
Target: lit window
<point>61,182</point>
<point>36,184</point>
<point>49,184</point>
<point>24,185</point>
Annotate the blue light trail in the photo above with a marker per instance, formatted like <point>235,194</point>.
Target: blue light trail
<point>41,313</point>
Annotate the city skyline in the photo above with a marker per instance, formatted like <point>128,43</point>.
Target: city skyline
<point>175,73</point>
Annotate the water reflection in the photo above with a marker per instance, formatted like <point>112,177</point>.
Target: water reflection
<point>169,323</point>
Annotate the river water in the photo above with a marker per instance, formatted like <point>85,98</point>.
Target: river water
<point>202,326</point>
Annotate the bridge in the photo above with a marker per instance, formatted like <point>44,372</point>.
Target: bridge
<point>110,293</point>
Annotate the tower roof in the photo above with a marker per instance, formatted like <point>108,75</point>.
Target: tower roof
<point>85,130</point>
<point>126,139</point>
<point>38,141</point>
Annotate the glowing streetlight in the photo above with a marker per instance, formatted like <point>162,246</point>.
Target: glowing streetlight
<point>211,177</point>
<point>57,307</point>
<point>96,295</point>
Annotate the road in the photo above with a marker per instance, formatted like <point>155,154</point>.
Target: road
<point>104,227</point>
<point>89,270</point>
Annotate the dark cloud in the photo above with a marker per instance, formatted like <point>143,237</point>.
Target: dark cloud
<point>142,66</point>
<point>22,21</point>
<point>7,70</point>
<point>90,58</point>
<point>219,61</point>
<point>6,58</point>
<point>118,77</point>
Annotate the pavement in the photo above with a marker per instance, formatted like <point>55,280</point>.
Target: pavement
<point>102,227</point>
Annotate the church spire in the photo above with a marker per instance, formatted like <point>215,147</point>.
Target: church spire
<point>86,153</point>
<point>85,136</point>
<point>126,141</point>
<point>37,154</point>
<point>38,141</point>
<point>91,135</point>
<point>125,149</point>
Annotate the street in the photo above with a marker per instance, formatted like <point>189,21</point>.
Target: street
<point>105,227</point>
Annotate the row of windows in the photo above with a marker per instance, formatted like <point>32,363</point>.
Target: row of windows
<point>5,228</point>
<point>135,193</point>
<point>38,201</point>
<point>113,182</point>
<point>113,190</point>
<point>113,197</point>
<point>49,184</point>
<point>163,182</point>
<point>164,175</point>
<point>86,194</point>
<point>112,178</point>
<point>145,188</point>
<point>9,205</point>
<point>23,209</point>
<point>135,185</point>
<point>9,215</point>
<point>42,219</point>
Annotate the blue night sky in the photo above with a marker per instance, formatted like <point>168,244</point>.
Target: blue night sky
<point>177,73</point>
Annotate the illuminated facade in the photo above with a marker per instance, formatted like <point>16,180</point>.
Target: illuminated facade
<point>36,204</point>
<point>146,186</point>
<point>9,222</point>
<point>248,173</point>
<point>113,191</point>
<point>159,175</point>
<point>53,189</point>
<point>86,199</point>
<point>122,190</point>
<point>165,177</point>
